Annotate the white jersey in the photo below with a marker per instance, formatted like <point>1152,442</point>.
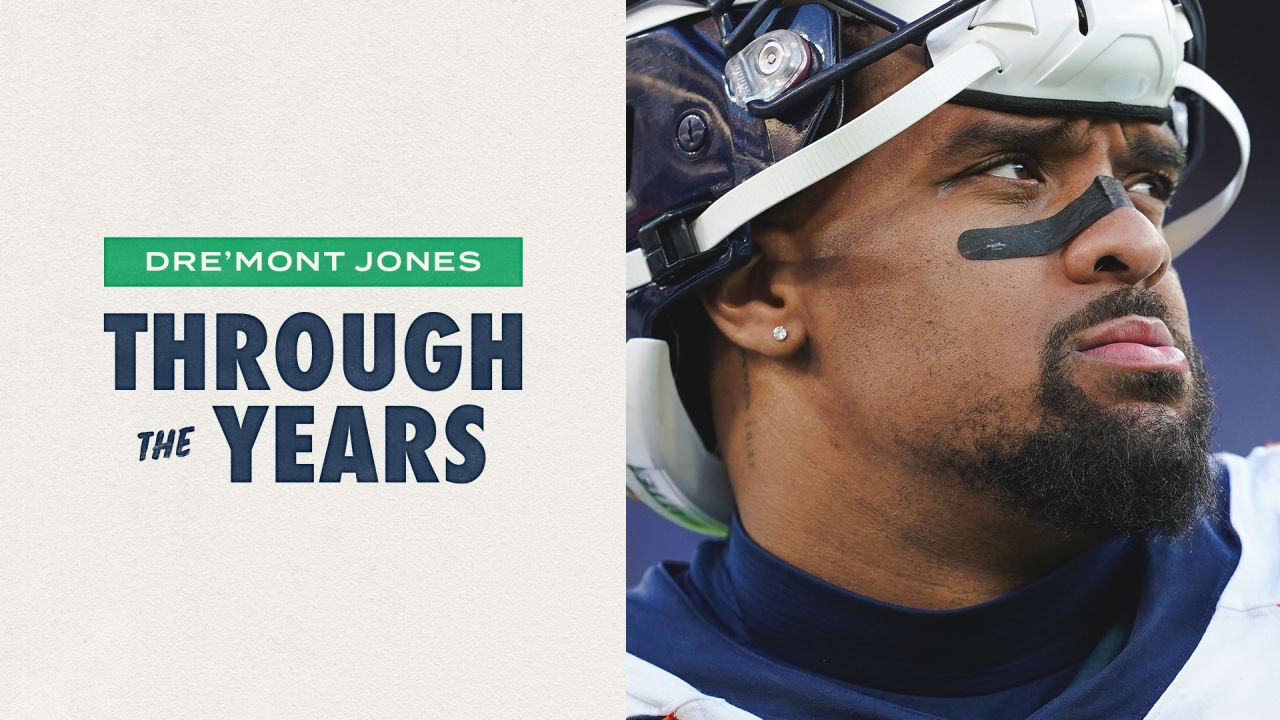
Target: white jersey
<point>1235,670</point>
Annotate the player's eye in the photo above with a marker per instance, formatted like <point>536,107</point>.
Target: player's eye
<point>1014,170</point>
<point>1156,186</point>
<point>1020,174</point>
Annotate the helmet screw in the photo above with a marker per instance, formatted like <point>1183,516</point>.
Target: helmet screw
<point>770,58</point>
<point>691,134</point>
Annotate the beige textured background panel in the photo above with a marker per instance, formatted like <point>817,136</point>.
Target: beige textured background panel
<point>161,590</point>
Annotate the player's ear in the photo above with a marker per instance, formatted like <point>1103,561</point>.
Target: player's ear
<point>758,307</point>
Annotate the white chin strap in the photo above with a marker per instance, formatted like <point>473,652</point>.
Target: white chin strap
<point>902,110</point>
<point>1186,230</point>
<point>849,142</point>
<point>855,139</point>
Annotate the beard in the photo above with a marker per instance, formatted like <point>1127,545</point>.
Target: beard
<point>1123,470</point>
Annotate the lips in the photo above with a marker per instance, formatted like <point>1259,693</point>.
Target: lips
<point>1135,342</point>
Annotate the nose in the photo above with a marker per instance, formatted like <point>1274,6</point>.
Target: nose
<point>1121,247</point>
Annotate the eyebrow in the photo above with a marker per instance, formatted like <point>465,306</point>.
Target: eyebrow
<point>987,135</point>
<point>1146,149</point>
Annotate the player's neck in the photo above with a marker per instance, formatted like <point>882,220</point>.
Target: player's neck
<point>900,538</point>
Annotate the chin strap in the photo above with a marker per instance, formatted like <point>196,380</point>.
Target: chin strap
<point>856,138</point>
<point>849,142</point>
<point>1185,231</point>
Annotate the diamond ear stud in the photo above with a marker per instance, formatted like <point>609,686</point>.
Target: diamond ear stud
<point>780,333</point>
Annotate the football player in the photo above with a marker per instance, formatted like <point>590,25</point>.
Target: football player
<point>903,328</point>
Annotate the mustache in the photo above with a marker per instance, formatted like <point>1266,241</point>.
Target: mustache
<point>1162,386</point>
<point>1117,304</point>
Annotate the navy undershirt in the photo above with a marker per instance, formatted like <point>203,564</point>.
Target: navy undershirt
<point>740,623</point>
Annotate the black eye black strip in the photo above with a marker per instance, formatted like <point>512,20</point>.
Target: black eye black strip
<point>1042,237</point>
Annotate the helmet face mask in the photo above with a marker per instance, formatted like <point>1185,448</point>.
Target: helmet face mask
<point>691,199</point>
